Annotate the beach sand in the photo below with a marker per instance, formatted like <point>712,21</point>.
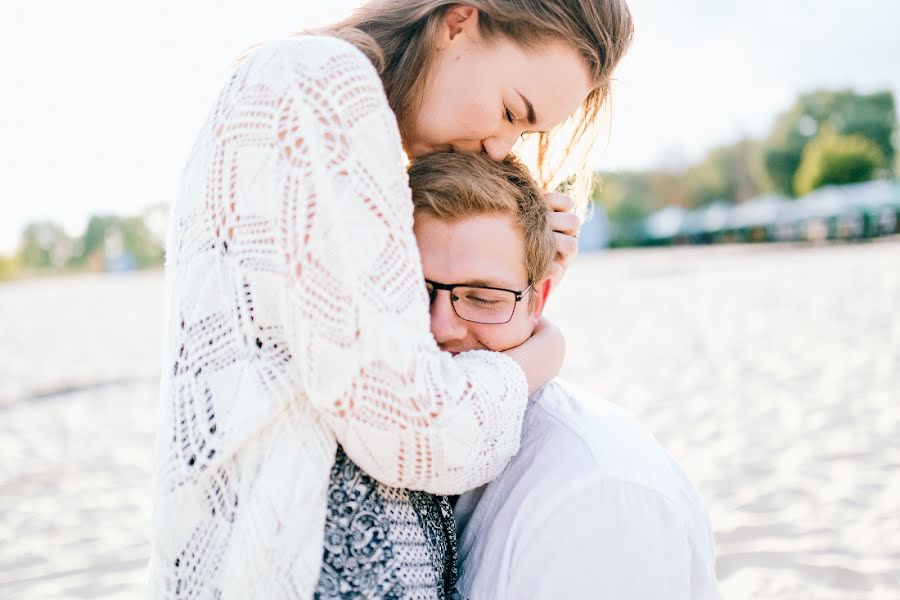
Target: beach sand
<point>772,373</point>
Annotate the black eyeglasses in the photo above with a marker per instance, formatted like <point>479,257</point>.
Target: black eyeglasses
<point>479,304</point>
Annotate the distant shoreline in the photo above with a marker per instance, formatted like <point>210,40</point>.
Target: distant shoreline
<point>73,273</point>
<point>692,249</point>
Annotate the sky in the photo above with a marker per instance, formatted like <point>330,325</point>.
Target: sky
<point>102,99</point>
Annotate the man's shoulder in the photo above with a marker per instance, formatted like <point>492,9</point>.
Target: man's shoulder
<point>588,487</point>
<point>587,437</point>
<point>571,411</point>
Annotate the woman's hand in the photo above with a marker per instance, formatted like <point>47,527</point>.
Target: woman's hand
<point>565,225</point>
<point>540,356</point>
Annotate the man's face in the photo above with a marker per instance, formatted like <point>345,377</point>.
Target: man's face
<point>485,250</point>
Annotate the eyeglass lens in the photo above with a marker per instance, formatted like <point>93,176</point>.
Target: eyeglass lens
<point>481,305</point>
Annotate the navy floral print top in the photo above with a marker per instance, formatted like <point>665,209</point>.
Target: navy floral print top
<point>384,542</point>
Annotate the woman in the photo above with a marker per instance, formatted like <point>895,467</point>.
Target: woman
<point>296,315</point>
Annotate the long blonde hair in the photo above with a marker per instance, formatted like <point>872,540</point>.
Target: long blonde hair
<point>399,38</point>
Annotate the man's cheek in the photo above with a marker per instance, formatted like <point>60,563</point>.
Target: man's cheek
<point>502,338</point>
<point>485,340</point>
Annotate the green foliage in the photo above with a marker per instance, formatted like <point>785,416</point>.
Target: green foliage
<point>111,234</point>
<point>896,140</point>
<point>630,195</point>
<point>872,116</point>
<point>837,159</point>
<point>781,165</point>
<point>45,245</point>
<point>727,173</point>
<point>94,237</point>
<point>10,267</point>
<point>141,243</point>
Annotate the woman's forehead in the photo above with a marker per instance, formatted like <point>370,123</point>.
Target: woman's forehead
<point>552,78</point>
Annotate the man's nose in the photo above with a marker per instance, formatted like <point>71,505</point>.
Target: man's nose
<point>445,325</point>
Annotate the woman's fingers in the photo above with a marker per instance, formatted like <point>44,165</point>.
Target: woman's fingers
<point>559,202</point>
<point>565,225</point>
<point>565,222</point>
<point>566,248</point>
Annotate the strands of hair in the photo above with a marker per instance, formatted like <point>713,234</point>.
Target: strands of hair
<point>399,37</point>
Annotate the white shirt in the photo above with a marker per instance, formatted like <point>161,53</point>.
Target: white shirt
<point>591,507</point>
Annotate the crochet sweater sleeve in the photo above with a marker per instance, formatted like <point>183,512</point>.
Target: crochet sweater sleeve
<point>293,255</point>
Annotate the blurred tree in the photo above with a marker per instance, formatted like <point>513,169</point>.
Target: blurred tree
<point>142,243</point>
<point>896,140</point>
<point>10,267</point>
<point>94,237</point>
<point>872,116</point>
<point>837,159</point>
<point>630,195</point>
<point>130,233</point>
<point>727,173</point>
<point>45,245</point>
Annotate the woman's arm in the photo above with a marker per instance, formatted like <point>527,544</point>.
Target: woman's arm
<point>303,160</point>
<point>541,355</point>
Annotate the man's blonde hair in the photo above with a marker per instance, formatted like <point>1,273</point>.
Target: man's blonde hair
<point>456,186</point>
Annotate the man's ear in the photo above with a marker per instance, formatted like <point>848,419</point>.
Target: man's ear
<point>541,293</point>
<point>460,18</point>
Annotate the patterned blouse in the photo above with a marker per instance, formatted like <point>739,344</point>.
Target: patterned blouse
<point>384,542</point>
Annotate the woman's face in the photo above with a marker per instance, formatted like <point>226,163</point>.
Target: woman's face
<point>481,96</point>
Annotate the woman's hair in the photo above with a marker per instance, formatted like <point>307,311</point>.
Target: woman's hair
<point>399,37</point>
<point>456,186</point>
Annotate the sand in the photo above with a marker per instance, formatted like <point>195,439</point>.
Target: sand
<point>771,373</point>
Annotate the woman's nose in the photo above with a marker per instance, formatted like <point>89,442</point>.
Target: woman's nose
<point>498,147</point>
<point>445,325</point>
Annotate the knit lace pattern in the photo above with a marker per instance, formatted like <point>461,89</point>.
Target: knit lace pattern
<point>297,319</point>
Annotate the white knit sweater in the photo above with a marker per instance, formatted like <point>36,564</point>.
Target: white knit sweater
<point>297,318</point>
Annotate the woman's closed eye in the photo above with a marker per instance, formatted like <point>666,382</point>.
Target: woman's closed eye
<point>509,116</point>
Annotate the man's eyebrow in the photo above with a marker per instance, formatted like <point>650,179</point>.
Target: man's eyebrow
<point>490,284</point>
<point>532,119</point>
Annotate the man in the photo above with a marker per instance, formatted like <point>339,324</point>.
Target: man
<point>592,506</point>
<point>384,542</point>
